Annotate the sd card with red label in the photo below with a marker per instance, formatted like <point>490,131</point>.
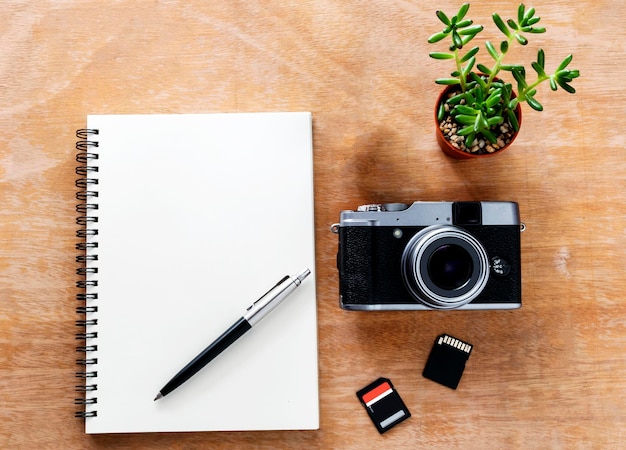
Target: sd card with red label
<point>383,404</point>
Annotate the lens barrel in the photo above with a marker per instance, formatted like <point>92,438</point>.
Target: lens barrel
<point>444,267</point>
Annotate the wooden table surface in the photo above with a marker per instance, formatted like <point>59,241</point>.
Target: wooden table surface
<point>550,375</point>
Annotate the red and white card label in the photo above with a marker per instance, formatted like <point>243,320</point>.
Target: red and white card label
<point>377,394</point>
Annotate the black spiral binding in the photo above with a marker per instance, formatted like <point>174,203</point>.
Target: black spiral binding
<point>87,195</point>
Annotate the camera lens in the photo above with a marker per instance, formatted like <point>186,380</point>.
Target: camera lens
<point>444,267</point>
<point>450,266</point>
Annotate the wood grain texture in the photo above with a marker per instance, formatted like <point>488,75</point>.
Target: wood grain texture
<point>551,375</point>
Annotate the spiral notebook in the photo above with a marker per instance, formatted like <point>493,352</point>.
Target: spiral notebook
<point>186,220</point>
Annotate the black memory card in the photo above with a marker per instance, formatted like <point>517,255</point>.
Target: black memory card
<point>447,359</point>
<point>383,404</point>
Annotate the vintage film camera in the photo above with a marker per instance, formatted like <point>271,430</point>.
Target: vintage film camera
<point>430,255</point>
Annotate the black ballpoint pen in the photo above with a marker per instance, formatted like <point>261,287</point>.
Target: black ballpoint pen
<point>253,314</point>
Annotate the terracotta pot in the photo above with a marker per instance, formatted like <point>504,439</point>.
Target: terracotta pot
<point>454,152</point>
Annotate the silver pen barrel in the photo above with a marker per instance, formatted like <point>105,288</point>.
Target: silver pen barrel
<point>274,297</point>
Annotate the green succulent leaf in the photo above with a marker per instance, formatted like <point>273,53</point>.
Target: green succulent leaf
<point>456,99</point>
<point>533,21</point>
<point>529,14</point>
<point>530,29</point>
<point>521,39</point>
<point>489,135</point>
<point>470,85</point>
<point>469,67</point>
<point>448,81</point>
<point>566,86</point>
<point>568,75</point>
<point>492,50</point>
<point>513,119</point>
<point>463,11</point>
<point>442,16</point>
<point>507,92</point>
<point>465,110</point>
<point>520,12</point>
<point>471,31</point>
<point>466,39</point>
<point>465,119</point>
<point>553,84</point>
<point>475,77</point>
<point>504,47</point>
<point>494,98</point>
<point>470,139</point>
<point>495,120</point>
<point>466,131</point>
<point>441,111</point>
<point>511,67</point>
<point>534,104</point>
<point>484,69</point>
<point>479,94</point>
<point>501,25</point>
<point>539,69</point>
<point>456,39</point>
<point>565,63</point>
<point>441,55</point>
<point>520,77</point>
<point>541,58</point>
<point>470,54</point>
<point>481,123</point>
<point>437,37</point>
<point>463,23</point>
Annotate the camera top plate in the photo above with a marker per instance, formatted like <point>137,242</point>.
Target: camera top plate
<point>433,213</point>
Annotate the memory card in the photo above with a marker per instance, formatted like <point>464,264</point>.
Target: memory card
<point>383,404</point>
<point>447,359</point>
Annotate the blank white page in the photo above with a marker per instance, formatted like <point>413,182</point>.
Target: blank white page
<point>198,216</point>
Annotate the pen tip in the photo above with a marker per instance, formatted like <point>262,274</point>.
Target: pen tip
<point>158,396</point>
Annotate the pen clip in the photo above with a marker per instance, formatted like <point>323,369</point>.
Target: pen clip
<point>282,280</point>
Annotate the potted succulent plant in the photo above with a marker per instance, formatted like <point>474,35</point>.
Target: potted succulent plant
<point>479,113</point>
